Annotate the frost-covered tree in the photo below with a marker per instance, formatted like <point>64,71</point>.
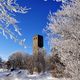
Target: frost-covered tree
<point>8,21</point>
<point>18,60</point>
<point>63,31</point>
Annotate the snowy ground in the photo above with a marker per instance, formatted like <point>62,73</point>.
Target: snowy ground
<point>24,75</point>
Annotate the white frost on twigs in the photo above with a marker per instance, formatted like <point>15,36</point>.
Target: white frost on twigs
<point>7,20</point>
<point>66,24</point>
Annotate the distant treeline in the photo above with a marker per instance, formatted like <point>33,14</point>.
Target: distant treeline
<point>39,63</point>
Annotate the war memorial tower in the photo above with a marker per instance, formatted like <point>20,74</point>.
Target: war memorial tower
<point>37,45</point>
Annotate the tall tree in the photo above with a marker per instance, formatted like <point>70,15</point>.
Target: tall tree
<point>65,24</point>
<point>7,19</point>
<point>56,66</point>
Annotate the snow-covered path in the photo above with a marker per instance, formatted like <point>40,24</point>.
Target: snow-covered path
<point>24,75</point>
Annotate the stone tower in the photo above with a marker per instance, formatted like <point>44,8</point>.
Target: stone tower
<point>37,44</point>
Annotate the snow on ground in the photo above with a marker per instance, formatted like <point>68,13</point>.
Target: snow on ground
<point>2,70</point>
<point>24,75</point>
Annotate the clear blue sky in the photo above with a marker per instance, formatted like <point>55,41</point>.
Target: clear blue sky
<point>31,23</point>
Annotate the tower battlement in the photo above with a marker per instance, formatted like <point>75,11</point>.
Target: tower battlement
<point>37,43</point>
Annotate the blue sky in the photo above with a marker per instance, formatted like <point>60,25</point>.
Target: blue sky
<point>31,23</point>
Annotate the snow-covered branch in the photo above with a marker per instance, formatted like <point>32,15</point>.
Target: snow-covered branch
<point>7,20</point>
